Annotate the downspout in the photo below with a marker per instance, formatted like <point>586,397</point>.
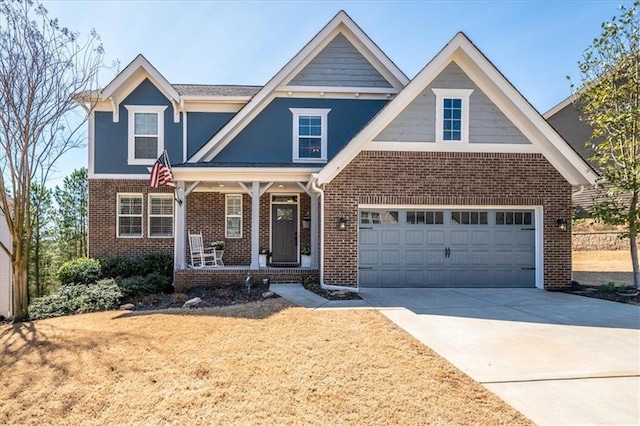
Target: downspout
<point>316,188</point>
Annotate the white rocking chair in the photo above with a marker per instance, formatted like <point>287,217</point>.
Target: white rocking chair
<point>201,256</point>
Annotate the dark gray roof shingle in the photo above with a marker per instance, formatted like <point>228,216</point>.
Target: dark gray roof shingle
<point>215,90</point>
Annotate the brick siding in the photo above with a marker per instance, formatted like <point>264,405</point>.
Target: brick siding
<point>441,178</point>
<point>205,213</point>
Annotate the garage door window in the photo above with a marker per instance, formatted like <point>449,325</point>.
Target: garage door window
<point>425,218</point>
<point>514,218</point>
<point>385,217</point>
<point>469,218</point>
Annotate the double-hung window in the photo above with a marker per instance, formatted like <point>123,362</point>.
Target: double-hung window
<point>452,115</point>
<point>233,216</point>
<point>310,135</point>
<point>146,133</point>
<point>161,215</point>
<point>129,220</point>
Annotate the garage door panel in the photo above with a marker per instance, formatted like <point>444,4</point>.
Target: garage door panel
<point>485,253</point>
<point>414,257</point>
<point>480,238</point>
<point>368,257</point>
<point>414,237</point>
<point>391,237</point>
<point>435,237</point>
<point>459,237</point>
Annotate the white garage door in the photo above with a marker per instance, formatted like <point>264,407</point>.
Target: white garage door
<point>446,248</point>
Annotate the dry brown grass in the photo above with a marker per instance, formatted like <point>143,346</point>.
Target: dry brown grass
<point>602,261</point>
<point>265,363</point>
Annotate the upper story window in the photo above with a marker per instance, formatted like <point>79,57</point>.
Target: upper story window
<point>310,135</point>
<point>146,133</point>
<point>452,115</point>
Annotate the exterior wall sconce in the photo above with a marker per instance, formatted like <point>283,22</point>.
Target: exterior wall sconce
<point>342,224</point>
<point>306,221</point>
<point>562,224</point>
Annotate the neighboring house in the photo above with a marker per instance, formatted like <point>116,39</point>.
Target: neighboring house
<point>565,119</point>
<point>5,270</point>
<point>451,179</point>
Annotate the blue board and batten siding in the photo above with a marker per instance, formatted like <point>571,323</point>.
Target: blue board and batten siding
<point>269,136</point>
<point>111,139</point>
<point>487,124</point>
<point>201,126</point>
<point>339,64</point>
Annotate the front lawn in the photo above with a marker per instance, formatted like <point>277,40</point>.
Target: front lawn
<point>260,363</point>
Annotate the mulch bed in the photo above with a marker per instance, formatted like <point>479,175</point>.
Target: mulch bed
<point>596,292</point>
<point>331,294</point>
<point>231,294</point>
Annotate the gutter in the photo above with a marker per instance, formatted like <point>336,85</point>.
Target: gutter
<point>316,188</point>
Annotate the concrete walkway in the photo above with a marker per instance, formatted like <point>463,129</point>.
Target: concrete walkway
<point>557,358</point>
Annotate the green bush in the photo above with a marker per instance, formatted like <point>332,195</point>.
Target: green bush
<point>80,271</point>
<point>125,267</point>
<point>118,267</point>
<point>141,285</point>
<point>155,262</point>
<point>608,288</point>
<point>75,299</point>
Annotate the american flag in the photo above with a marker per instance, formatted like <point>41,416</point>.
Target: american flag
<point>161,172</point>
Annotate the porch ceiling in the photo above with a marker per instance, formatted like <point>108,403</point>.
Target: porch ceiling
<point>227,186</point>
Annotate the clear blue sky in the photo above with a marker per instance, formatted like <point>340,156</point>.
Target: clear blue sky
<point>535,44</point>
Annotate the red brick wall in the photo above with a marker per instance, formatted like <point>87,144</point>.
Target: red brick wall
<point>205,213</point>
<point>102,219</point>
<point>438,178</point>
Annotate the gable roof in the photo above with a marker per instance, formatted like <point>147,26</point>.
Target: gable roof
<point>501,92</point>
<point>341,23</point>
<point>132,75</point>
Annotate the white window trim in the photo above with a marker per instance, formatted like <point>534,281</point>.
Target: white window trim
<point>442,94</point>
<point>226,215</point>
<point>118,215</point>
<point>133,109</point>
<point>149,215</point>
<point>298,112</point>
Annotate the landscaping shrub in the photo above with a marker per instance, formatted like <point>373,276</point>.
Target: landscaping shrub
<point>608,288</point>
<point>141,285</point>
<point>76,299</point>
<point>118,267</point>
<point>80,271</point>
<point>157,262</point>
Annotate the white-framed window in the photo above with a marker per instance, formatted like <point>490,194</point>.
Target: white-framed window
<point>160,216</point>
<point>452,115</point>
<point>145,133</point>
<point>309,135</point>
<point>233,216</point>
<point>129,215</point>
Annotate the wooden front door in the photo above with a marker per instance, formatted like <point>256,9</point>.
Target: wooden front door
<point>284,235</point>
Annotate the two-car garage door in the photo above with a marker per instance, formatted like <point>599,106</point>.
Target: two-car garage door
<point>446,248</point>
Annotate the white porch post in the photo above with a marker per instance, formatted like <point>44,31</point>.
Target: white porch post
<point>179,227</point>
<point>255,225</point>
<point>315,223</point>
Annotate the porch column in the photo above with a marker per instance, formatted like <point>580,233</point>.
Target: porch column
<point>255,225</point>
<point>179,227</point>
<point>315,223</point>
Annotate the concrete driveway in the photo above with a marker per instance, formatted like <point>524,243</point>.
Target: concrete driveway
<point>557,358</point>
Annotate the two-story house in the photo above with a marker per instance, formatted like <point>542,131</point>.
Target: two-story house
<point>451,179</point>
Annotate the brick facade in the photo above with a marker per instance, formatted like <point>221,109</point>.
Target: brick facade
<point>444,178</point>
<point>102,219</point>
<point>205,213</point>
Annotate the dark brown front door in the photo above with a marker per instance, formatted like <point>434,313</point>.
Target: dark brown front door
<point>284,239</point>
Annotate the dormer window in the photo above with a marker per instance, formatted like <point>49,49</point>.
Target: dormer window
<point>146,133</point>
<point>452,115</point>
<point>309,135</point>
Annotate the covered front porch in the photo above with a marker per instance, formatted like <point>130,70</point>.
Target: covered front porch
<point>269,225</point>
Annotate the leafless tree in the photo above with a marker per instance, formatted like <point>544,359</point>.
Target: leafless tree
<point>44,67</point>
